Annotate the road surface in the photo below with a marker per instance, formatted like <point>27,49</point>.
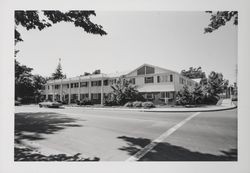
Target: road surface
<point>128,135</point>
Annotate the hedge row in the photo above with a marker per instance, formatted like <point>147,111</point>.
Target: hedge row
<point>139,104</point>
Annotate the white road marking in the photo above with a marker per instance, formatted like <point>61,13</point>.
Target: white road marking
<point>162,137</point>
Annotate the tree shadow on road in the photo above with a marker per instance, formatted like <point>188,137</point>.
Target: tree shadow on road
<point>28,154</point>
<point>31,126</point>
<point>167,152</point>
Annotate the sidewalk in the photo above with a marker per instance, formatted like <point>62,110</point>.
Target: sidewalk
<point>226,104</point>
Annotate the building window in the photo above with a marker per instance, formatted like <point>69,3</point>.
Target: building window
<point>96,96</point>
<point>56,86</point>
<point>76,85</point>
<point>74,98</point>
<point>150,96</point>
<point>96,83</point>
<point>71,85</point>
<point>158,79</point>
<point>141,71</point>
<point>150,70</point>
<point>48,87</point>
<point>165,94</point>
<point>149,79</point>
<point>84,96</point>
<point>106,82</point>
<point>132,80</point>
<point>67,85</point>
<point>112,81</point>
<point>171,78</point>
<point>84,84</point>
<point>166,78</point>
<point>145,70</point>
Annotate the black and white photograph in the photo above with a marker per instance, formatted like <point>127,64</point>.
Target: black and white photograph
<point>125,85</point>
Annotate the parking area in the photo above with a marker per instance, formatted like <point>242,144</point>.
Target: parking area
<point>128,135</point>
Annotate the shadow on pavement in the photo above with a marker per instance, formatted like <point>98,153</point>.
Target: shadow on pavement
<point>167,152</point>
<point>27,154</point>
<point>31,126</point>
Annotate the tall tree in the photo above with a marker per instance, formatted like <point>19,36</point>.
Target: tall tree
<point>198,94</point>
<point>220,18</point>
<point>58,73</point>
<point>33,20</point>
<point>28,87</point>
<point>184,97</point>
<point>38,84</point>
<point>193,73</point>
<point>122,92</point>
<point>215,86</point>
<point>24,88</point>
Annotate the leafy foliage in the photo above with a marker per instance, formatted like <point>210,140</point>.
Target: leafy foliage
<point>97,72</point>
<point>220,18</point>
<point>28,154</point>
<point>137,104</point>
<point>23,81</point>
<point>32,20</point>
<point>184,97</point>
<point>203,94</point>
<point>193,73</point>
<point>198,94</point>
<point>216,85</point>
<point>123,91</point>
<point>85,101</point>
<point>27,86</point>
<point>148,105</point>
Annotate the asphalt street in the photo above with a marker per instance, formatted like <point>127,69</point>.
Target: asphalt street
<point>120,135</point>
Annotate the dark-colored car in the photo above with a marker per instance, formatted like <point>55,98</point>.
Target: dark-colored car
<point>50,104</point>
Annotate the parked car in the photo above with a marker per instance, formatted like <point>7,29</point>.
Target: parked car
<point>50,104</point>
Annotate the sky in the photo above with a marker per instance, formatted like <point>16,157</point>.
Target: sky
<point>172,40</point>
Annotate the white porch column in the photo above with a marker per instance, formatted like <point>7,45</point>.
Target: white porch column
<point>79,87</point>
<point>53,90</point>
<point>46,91</point>
<point>69,101</point>
<point>61,91</point>
<point>102,90</point>
<point>89,88</point>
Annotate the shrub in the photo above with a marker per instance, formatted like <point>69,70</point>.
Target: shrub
<point>129,104</point>
<point>148,105</point>
<point>85,101</point>
<point>110,103</point>
<point>137,104</point>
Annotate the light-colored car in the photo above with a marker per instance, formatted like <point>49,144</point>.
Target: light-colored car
<point>50,104</point>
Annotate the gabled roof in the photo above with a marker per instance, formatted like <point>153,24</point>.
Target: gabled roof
<point>167,70</point>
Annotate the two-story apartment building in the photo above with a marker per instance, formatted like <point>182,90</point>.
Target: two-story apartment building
<point>155,83</point>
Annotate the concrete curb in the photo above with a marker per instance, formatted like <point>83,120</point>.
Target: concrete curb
<point>173,110</point>
<point>202,110</point>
